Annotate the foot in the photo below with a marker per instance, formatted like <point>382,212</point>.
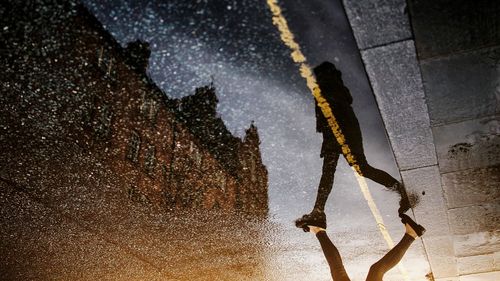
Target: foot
<point>412,228</point>
<point>315,218</point>
<point>407,201</point>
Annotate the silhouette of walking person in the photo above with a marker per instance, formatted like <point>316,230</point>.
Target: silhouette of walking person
<point>378,269</point>
<point>329,80</point>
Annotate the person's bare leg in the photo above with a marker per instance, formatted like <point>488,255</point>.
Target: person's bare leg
<point>393,257</point>
<point>331,253</point>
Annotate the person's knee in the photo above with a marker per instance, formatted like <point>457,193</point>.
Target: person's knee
<point>331,159</point>
<point>361,161</point>
<point>364,166</point>
<point>376,269</point>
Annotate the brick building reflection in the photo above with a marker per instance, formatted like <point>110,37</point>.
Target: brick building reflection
<point>173,154</point>
<point>102,176</point>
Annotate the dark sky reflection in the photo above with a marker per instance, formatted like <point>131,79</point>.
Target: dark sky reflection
<point>235,44</point>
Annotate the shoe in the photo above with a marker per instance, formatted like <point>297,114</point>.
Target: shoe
<point>315,218</point>
<point>407,201</point>
<point>419,230</point>
<point>404,202</point>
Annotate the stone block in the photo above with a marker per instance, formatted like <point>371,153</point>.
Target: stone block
<point>378,22</point>
<point>472,186</point>
<point>487,276</point>
<point>431,210</point>
<point>448,279</point>
<point>468,144</point>
<point>441,256</point>
<point>478,243</point>
<point>446,26</point>
<point>462,86</point>
<point>496,261</point>
<point>475,264</point>
<point>474,219</point>
<point>395,77</point>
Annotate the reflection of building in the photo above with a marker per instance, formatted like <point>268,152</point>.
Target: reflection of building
<point>85,89</point>
<point>89,143</point>
<point>241,159</point>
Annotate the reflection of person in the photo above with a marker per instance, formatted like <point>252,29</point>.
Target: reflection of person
<point>339,98</point>
<point>378,269</point>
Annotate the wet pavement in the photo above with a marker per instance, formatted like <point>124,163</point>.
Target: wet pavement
<point>45,242</point>
<point>96,233</point>
<point>58,223</point>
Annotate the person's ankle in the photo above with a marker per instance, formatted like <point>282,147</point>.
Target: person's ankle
<point>317,210</point>
<point>315,230</point>
<point>410,231</point>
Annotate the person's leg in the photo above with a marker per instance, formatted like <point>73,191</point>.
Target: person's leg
<point>352,132</point>
<point>317,215</point>
<point>378,269</point>
<point>383,178</point>
<point>392,258</point>
<point>332,255</point>
<point>376,175</point>
<point>326,182</point>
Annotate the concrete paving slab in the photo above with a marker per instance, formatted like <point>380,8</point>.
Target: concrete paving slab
<point>475,264</point>
<point>472,219</point>
<point>442,27</point>
<point>477,243</point>
<point>472,186</point>
<point>496,260</point>
<point>378,22</point>
<point>395,77</point>
<point>448,279</point>
<point>462,86</point>
<point>468,144</point>
<point>441,256</point>
<point>488,276</point>
<point>431,211</point>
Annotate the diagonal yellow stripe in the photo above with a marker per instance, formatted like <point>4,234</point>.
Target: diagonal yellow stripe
<point>305,71</point>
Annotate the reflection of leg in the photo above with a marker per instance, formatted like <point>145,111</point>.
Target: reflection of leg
<point>326,182</point>
<point>375,174</point>
<point>354,138</point>
<point>317,216</point>
<point>333,258</point>
<point>390,260</point>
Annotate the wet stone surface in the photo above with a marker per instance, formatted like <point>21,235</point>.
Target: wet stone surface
<point>443,27</point>
<point>462,86</point>
<point>378,22</point>
<point>394,74</point>
<point>468,144</point>
<point>472,186</point>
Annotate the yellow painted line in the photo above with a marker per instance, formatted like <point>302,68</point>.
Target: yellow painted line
<point>305,71</point>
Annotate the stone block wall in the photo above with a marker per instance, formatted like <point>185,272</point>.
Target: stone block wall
<point>458,47</point>
<point>434,69</point>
